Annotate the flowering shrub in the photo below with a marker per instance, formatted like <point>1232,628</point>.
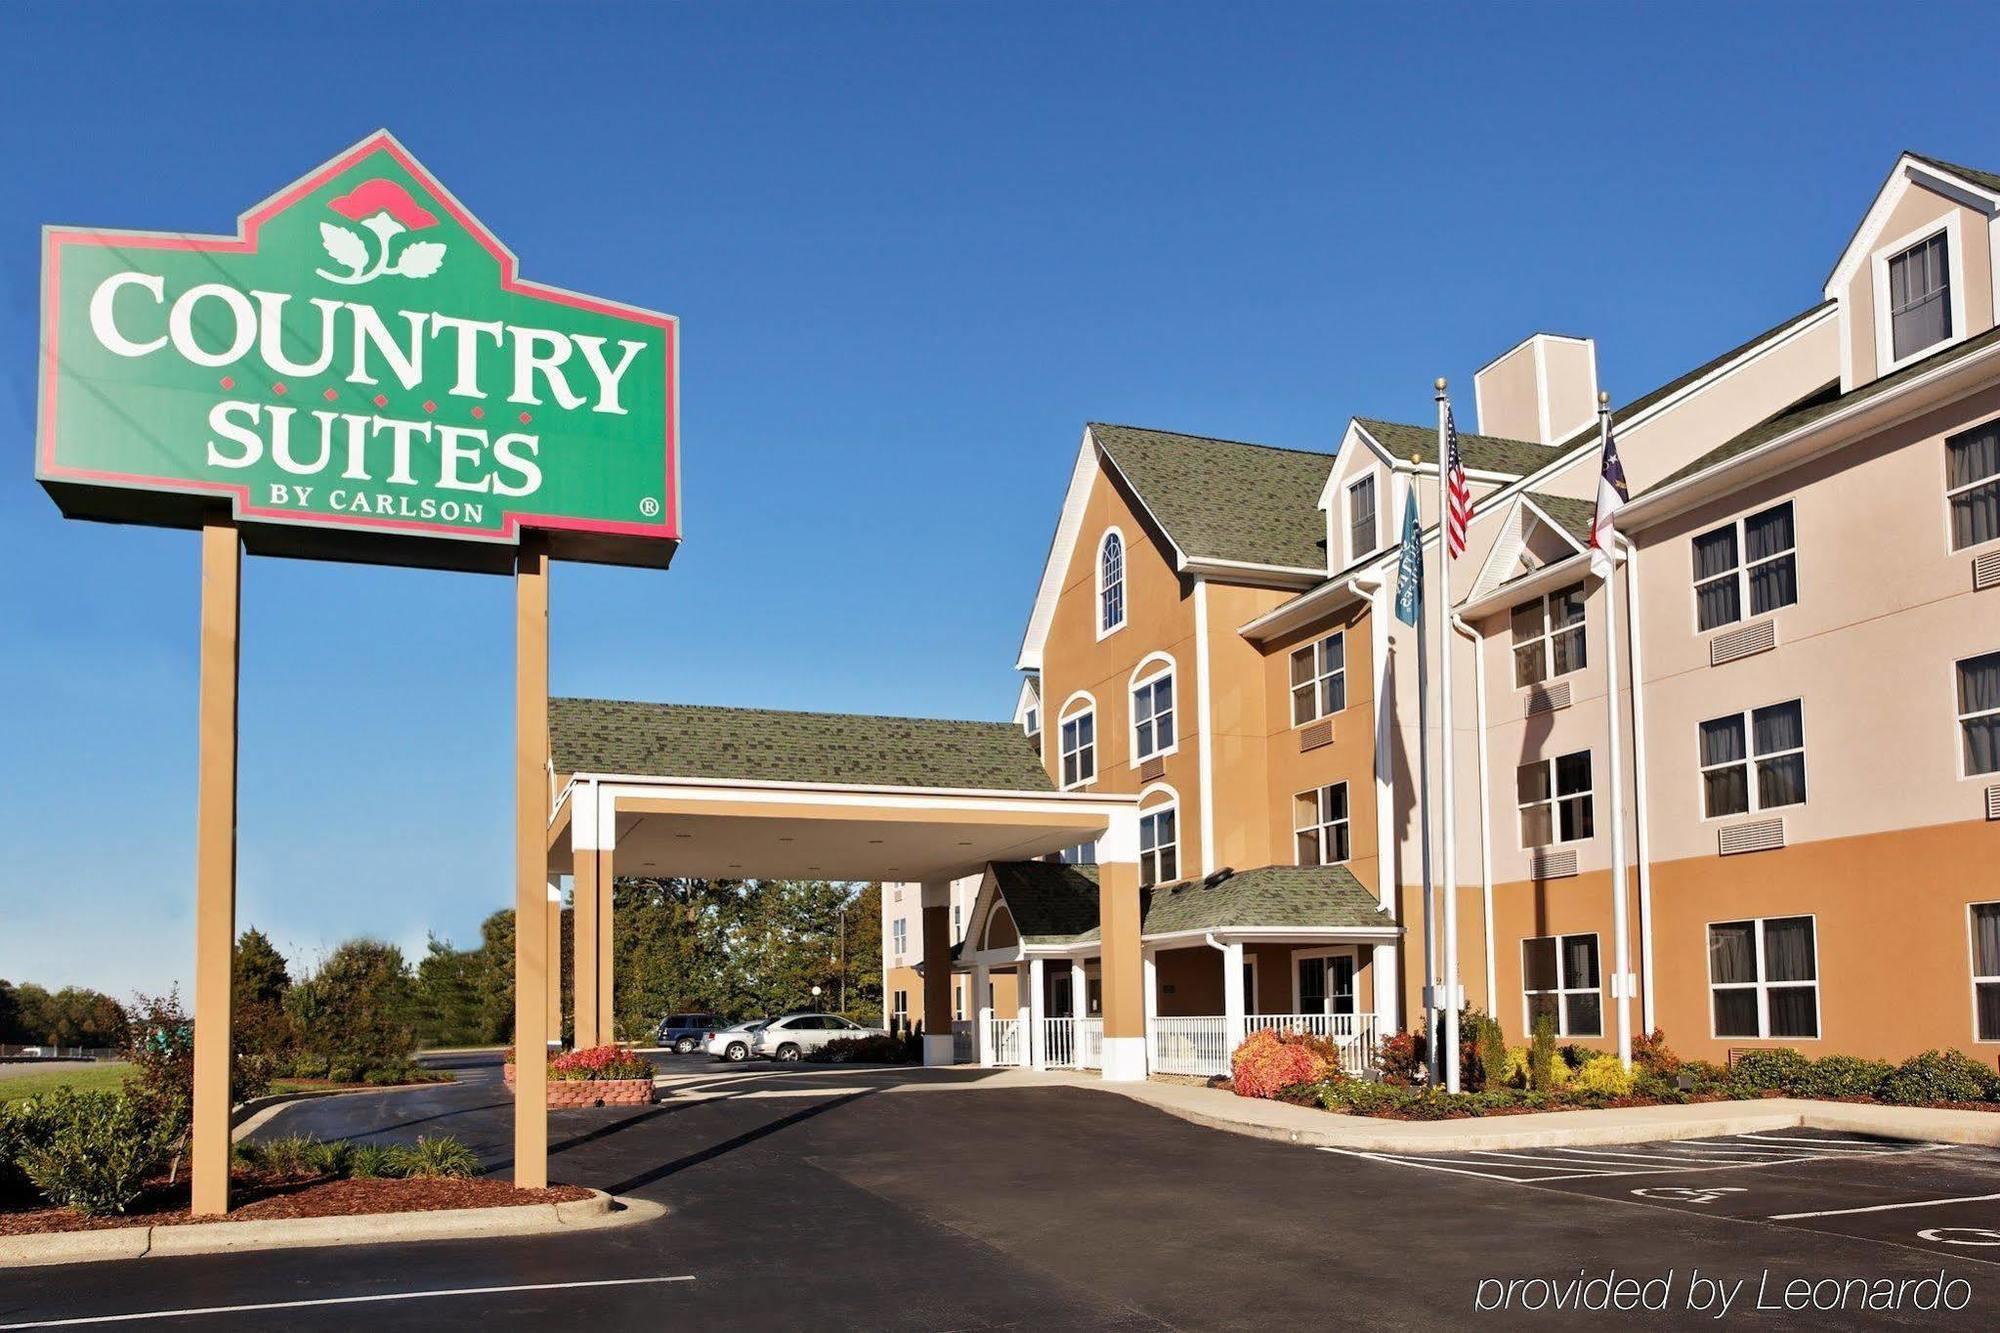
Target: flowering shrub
<point>1400,1058</point>
<point>1269,1061</point>
<point>1651,1053</point>
<point>598,1064</point>
<point>1603,1075</point>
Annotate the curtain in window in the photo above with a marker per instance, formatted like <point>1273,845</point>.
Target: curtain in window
<point>1975,514</point>
<point>1989,1010</point>
<point>1566,629</point>
<point>1725,790</point>
<point>1920,308</point>
<point>1579,962</point>
<point>1333,674</point>
<point>1538,964</point>
<point>1715,592</point>
<point>1788,949</point>
<point>1766,534</point>
<point>1732,953</point>
<point>1979,692</point>
<point>1361,517</point>
<point>1986,940</point>
<point>1780,781</point>
<point>1585,1015</point>
<point>1794,1011</point>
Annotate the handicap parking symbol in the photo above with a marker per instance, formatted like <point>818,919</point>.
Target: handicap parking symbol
<point>1689,1193</point>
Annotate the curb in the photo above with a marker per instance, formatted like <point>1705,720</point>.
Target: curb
<point>598,1212</point>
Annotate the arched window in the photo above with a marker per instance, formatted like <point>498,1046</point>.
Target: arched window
<point>1110,583</point>
<point>1159,837</point>
<point>1077,734</point>
<point>1153,731</point>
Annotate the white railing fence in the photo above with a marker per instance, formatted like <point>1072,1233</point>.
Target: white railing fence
<point>1354,1034</point>
<point>1073,1043</point>
<point>1006,1041</point>
<point>963,1049</point>
<point>1198,1046</point>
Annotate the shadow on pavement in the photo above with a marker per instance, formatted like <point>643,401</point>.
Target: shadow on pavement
<point>730,1145</point>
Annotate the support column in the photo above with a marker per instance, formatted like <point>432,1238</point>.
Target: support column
<point>215,864</point>
<point>1388,994</point>
<point>583,908</point>
<point>982,1015</point>
<point>937,972</point>
<point>1079,990</point>
<point>531,863</point>
<point>1232,993</point>
<point>554,987</point>
<point>1037,1050</point>
<point>607,876</point>
<point>1124,970</point>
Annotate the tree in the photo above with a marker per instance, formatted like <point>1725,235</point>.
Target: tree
<point>352,1015</point>
<point>260,975</point>
<point>10,1013</point>
<point>72,1016</point>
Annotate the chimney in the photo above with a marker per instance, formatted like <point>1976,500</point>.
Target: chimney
<point>1543,389</point>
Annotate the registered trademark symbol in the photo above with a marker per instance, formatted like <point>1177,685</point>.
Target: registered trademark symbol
<point>649,507</point>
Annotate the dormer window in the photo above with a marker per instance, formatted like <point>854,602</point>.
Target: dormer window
<point>1919,298</point>
<point>1032,722</point>
<point>1361,538</point>
<point>1110,583</point>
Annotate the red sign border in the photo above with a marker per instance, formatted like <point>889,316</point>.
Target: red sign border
<point>47,469</point>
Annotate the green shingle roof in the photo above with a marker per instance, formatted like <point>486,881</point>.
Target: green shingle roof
<point>1225,499</point>
<point>756,744</point>
<point>1575,516</point>
<point>1482,453</point>
<point>1984,179</point>
<point>1057,904</point>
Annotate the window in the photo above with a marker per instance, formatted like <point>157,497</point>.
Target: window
<point>1079,748</point>
<point>899,935</point>
<point>1986,971</point>
<point>1559,980</point>
<point>899,1016</point>
<point>1361,518</point>
<point>958,999</point>
<point>1083,854</point>
<point>1320,821</point>
<point>1919,298</point>
<point>1319,679</point>
<point>1032,722</point>
<point>1548,636</point>
<point>1763,977</point>
<point>1153,717</point>
<point>1765,573</point>
<point>1972,485</point>
<point>1555,799</point>
<point>1777,748</point>
<point>1110,584</point>
<point>1979,713</point>
<point>957,923</point>
<point>1159,847</point>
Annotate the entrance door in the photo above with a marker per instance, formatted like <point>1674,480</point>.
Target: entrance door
<point>1058,996</point>
<point>1326,984</point>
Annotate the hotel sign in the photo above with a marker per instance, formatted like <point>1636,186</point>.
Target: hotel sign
<point>358,374</point>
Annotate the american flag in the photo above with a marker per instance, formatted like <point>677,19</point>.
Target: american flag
<point>1611,497</point>
<point>1458,495</point>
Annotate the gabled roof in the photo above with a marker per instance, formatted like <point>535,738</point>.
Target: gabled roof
<point>1051,902</point>
<point>766,745</point>
<point>1985,180</point>
<point>1482,453</point>
<point>1574,517</point>
<point>1225,499</point>
<point>1308,897</point>
<point>1975,189</point>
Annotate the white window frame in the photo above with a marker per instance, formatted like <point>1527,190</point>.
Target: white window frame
<point>1317,682</point>
<point>1972,966</point>
<point>1031,723</point>
<point>1105,631</point>
<point>1760,985</point>
<point>1329,953</point>
<point>1954,253</point>
<point>957,922</point>
<point>1545,640</point>
<point>1322,826</point>
<point>1751,758</point>
<point>1958,729</point>
<point>1150,858</point>
<point>899,1007</point>
<point>899,937</point>
<point>1554,802</point>
<point>1973,485</point>
<point>1562,990</point>
<point>1076,706</point>
<point>1145,676</point>
<point>1370,479</point>
<point>1741,573</point>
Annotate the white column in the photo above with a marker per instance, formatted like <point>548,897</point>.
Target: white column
<point>1388,1006</point>
<point>1079,989</point>
<point>1023,1050</point>
<point>1232,992</point>
<point>1151,971</point>
<point>1037,1053</point>
<point>982,1016</point>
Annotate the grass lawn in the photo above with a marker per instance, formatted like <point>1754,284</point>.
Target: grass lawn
<point>107,1076</point>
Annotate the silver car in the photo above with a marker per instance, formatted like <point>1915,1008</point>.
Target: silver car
<point>790,1037</point>
<point>735,1043</point>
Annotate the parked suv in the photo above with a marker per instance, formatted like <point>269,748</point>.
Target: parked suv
<point>684,1032</point>
<point>790,1037</point>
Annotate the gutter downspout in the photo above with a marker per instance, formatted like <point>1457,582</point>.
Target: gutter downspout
<point>1643,853</point>
<point>1485,811</point>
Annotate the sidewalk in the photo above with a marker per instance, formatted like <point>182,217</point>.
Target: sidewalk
<point>1543,1129</point>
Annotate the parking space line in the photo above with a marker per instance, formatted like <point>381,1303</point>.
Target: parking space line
<point>1852,1147</point>
<point>1455,1170</point>
<point>1567,1163</point>
<point>192,1311</point>
<point>1884,1207</point>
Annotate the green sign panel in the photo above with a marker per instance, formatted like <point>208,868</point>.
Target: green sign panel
<point>358,374</point>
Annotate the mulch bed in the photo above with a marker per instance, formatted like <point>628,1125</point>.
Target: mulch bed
<point>255,1198</point>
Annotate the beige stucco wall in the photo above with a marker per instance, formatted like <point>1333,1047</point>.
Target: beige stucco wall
<point>1917,211</point>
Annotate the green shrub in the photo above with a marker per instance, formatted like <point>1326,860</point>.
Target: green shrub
<point>1514,1070</point>
<point>1708,1078</point>
<point>91,1151</point>
<point>1841,1076</point>
<point>1482,1051</point>
<point>12,1137</point>
<point>1779,1070</point>
<point>879,1049</point>
<point>1940,1076</point>
<point>1364,1098</point>
<point>434,1159</point>
<point>296,1156</point>
<point>1602,1076</point>
<point>1542,1056</point>
<point>370,1161</point>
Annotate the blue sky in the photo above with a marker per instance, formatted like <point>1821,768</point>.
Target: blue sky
<point>913,248</point>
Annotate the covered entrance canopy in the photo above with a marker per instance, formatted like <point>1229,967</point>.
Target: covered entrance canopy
<point>730,793</point>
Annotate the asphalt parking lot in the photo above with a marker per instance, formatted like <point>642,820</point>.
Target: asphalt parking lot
<point>803,1197</point>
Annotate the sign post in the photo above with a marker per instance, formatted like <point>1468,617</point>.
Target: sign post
<point>360,374</point>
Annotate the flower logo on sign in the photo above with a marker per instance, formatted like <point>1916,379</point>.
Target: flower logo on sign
<point>386,210</point>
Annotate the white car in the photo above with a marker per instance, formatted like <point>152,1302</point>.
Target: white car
<point>790,1037</point>
<point>735,1043</point>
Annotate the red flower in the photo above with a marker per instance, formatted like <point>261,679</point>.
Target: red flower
<point>383,196</point>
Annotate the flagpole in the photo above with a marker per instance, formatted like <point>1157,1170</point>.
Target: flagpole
<point>1447,818</point>
<point>1621,988</point>
<point>1424,802</point>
